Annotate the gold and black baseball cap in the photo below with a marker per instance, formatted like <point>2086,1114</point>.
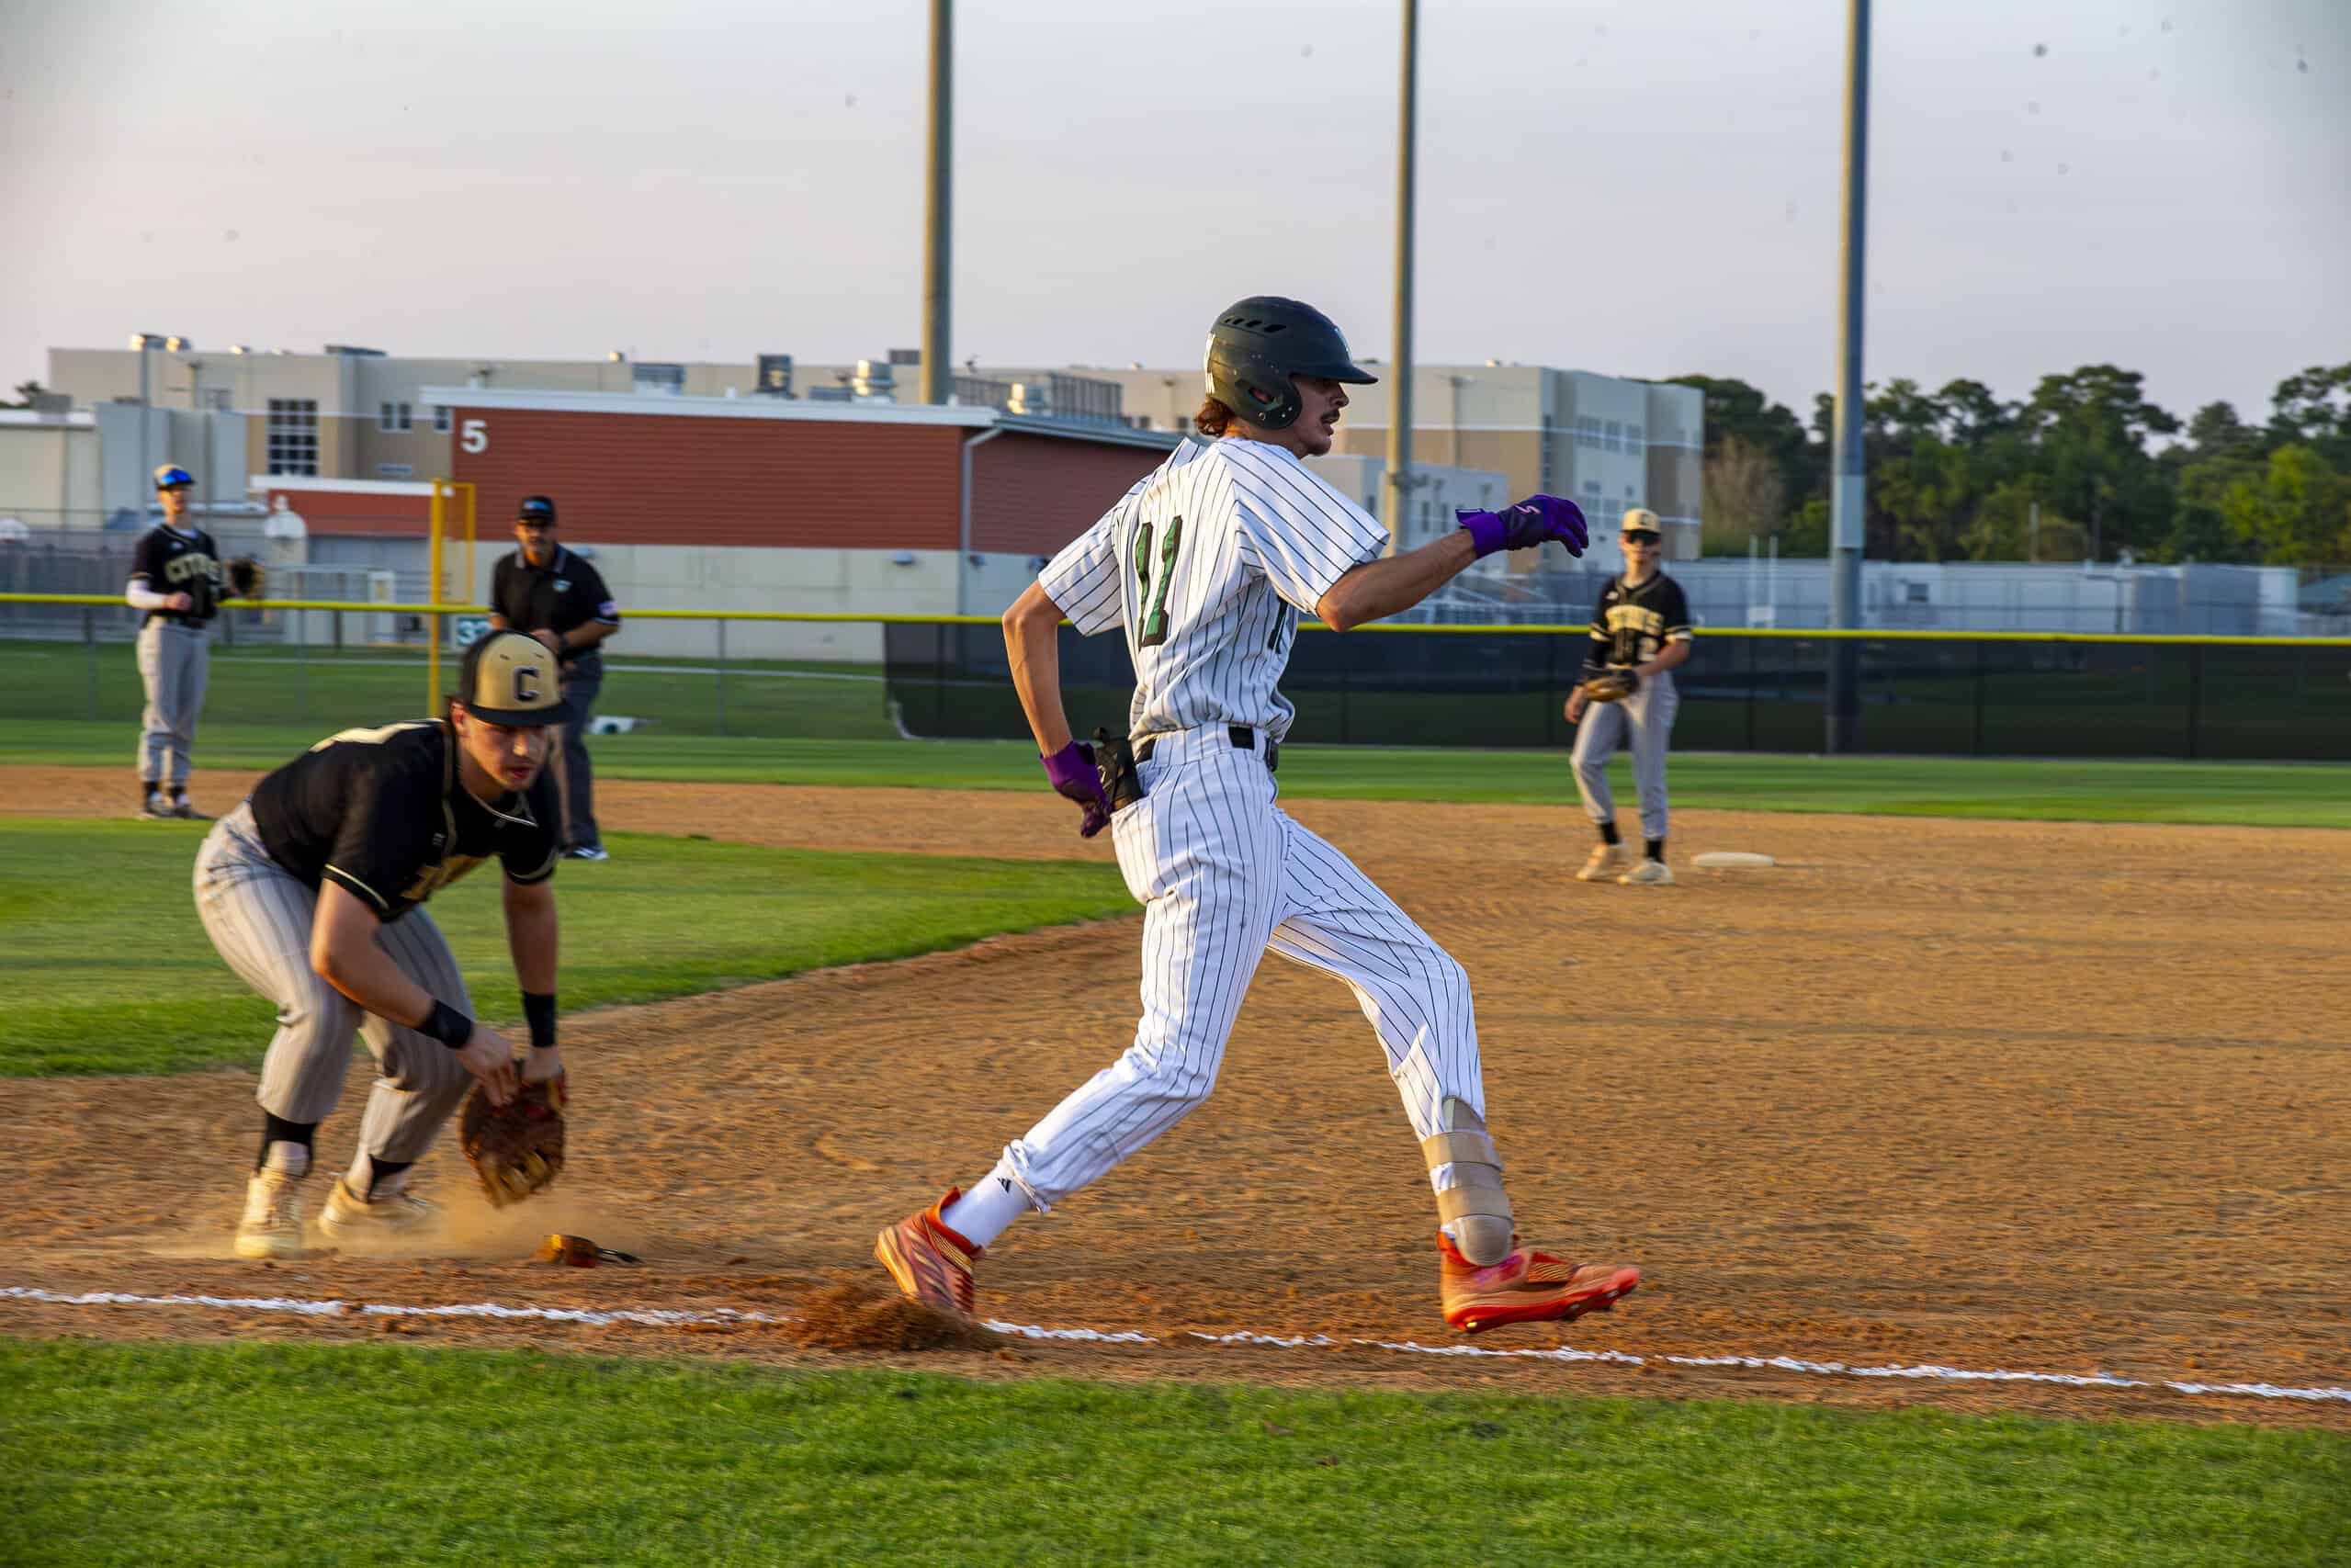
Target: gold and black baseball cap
<point>509,678</point>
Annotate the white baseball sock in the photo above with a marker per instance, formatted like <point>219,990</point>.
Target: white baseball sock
<point>983,1212</point>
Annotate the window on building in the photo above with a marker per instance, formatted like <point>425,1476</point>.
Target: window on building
<point>293,435</point>
<point>1613,441</point>
<point>1636,440</point>
<point>217,399</point>
<point>1588,431</point>
<point>395,419</point>
<point>444,419</point>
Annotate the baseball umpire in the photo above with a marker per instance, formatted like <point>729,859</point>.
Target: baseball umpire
<point>310,890</point>
<point>1640,635</point>
<point>548,592</point>
<point>177,577</point>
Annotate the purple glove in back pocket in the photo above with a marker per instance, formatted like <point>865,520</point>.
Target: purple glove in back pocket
<point>1074,777</point>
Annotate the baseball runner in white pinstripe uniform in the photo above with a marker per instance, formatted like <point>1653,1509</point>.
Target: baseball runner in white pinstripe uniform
<point>310,890</point>
<point>1203,566</point>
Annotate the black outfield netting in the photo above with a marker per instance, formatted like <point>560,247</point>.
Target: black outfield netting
<point>1937,696</point>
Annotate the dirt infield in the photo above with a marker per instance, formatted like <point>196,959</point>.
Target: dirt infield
<point>1992,1096</point>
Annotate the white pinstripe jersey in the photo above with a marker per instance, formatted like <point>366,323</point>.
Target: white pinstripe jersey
<point>1201,562</point>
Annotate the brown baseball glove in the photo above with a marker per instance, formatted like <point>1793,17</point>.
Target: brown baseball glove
<point>515,1149</point>
<point>1610,685</point>
<point>248,579</point>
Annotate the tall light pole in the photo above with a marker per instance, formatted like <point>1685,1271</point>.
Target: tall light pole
<point>1399,473</point>
<point>143,341</point>
<point>1846,496</point>
<point>938,212</point>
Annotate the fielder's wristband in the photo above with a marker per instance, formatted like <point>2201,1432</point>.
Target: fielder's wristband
<point>447,1025</point>
<point>539,1010</point>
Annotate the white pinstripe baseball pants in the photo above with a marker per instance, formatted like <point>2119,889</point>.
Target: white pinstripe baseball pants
<point>259,917</point>
<point>1224,875</point>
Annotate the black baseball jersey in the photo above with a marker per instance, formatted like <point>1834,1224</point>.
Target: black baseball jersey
<point>1630,624</point>
<point>383,813</point>
<point>169,561</point>
<point>564,593</point>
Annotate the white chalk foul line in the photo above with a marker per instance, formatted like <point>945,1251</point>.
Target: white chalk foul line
<point>665,1317</point>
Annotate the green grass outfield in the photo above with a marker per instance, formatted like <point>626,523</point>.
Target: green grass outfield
<point>106,969</point>
<point>325,689</point>
<point>315,1456</point>
<point>2252,794</point>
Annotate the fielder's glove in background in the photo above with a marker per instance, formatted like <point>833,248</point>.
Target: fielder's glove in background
<point>248,579</point>
<point>1611,685</point>
<point>515,1149</point>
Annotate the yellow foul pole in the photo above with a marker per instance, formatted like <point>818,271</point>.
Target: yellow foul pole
<point>433,626</point>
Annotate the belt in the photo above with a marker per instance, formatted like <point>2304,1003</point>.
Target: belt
<point>1243,738</point>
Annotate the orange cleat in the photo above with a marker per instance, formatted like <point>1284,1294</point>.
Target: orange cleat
<point>1527,1286</point>
<point>930,1263</point>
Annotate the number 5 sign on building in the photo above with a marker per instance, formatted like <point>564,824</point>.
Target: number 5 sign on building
<point>473,435</point>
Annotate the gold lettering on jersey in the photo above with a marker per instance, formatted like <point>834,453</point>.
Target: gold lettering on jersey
<point>181,568</point>
<point>1632,618</point>
<point>431,879</point>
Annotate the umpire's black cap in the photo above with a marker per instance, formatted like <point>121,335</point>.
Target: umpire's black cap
<point>510,678</point>
<point>537,510</point>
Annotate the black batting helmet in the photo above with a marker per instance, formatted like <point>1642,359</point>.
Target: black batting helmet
<point>1259,344</point>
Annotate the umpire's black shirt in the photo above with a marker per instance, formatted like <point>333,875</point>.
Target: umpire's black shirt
<point>564,593</point>
<point>171,560</point>
<point>384,813</point>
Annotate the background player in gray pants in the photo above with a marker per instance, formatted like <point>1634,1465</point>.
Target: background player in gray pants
<point>1642,622</point>
<point>177,578</point>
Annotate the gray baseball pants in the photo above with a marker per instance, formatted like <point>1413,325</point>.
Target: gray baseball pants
<point>1644,721</point>
<point>259,917</point>
<point>173,662</point>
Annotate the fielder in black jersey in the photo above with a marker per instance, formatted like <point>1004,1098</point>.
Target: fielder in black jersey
<point>176,576</point>
<point>1641,625</point>
<point>312,890</point>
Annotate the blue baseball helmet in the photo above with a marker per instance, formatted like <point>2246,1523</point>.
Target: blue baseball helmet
<point>171,476</point>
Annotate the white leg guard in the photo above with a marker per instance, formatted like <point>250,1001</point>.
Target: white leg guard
<point>1474,1207</point>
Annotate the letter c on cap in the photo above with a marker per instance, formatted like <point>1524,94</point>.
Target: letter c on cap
<point>526,686</point>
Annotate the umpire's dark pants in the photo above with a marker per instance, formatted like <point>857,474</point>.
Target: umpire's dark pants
<point>574,784</point>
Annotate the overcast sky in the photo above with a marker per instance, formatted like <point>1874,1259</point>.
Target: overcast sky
<point>1644,187</point>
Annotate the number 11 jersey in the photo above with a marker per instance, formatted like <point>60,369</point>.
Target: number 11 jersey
<point>1202,563</point>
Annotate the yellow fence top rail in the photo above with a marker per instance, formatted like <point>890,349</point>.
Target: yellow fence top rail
<point>1783,634</point>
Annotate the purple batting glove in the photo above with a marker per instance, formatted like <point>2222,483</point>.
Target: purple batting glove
<point>1075,777</point>
<point>1537,519</point>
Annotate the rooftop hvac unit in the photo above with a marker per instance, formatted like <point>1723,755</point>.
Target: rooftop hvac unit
<point>1031,398</point>
<point>774,376</point>
<point>873,379</point>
